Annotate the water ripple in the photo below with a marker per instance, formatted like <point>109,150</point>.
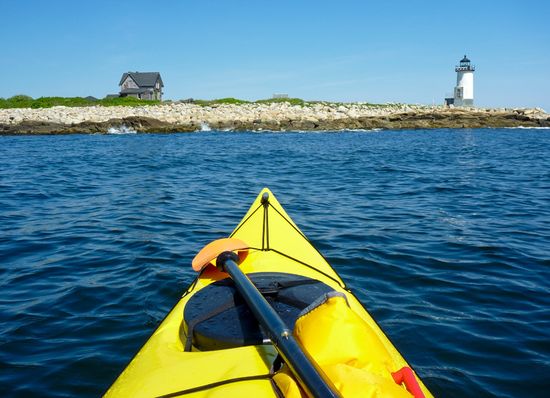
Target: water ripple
<point>442,234</point>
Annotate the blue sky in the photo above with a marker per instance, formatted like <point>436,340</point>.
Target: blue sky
<point>377,51</point>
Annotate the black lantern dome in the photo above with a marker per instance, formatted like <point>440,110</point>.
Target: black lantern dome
<point>465,65</point>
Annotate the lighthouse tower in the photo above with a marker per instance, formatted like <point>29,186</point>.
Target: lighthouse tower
<point>464,90</point>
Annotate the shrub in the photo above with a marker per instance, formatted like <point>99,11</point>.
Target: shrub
<point>228,100</point>
<point>24,101</point>
<point>291,101</point>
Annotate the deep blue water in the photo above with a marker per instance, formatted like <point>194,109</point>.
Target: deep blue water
<point>444,235</point>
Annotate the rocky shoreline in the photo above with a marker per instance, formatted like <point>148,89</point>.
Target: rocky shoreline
<point>185,117</point>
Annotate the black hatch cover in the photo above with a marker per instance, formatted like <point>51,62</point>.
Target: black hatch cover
<point>219,318</point>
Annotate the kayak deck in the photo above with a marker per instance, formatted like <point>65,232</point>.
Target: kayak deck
<point>163,368</point>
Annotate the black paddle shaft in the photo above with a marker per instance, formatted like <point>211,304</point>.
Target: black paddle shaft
<point>311,378</point>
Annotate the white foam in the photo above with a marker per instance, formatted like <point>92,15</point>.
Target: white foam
<point>121,130</point>
<point>531,128</point>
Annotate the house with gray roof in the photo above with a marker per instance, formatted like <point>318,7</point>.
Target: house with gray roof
<point>142,85</point>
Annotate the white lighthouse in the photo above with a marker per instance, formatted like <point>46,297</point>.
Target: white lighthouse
<point>464,90</point>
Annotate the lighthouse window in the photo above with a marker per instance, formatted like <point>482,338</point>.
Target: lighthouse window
<point>458,92</point>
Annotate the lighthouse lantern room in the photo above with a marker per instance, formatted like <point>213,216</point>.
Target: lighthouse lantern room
<point>464,90</point>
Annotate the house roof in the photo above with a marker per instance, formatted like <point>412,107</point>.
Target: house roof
<point>143,79</point>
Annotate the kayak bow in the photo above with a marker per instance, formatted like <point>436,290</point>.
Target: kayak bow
<point>215,342</point>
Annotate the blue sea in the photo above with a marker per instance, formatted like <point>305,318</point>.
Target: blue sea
<point>444,235</point>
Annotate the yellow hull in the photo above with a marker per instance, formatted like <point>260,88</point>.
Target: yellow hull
<point>163,368</point>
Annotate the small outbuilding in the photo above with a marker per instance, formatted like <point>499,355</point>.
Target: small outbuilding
<point>142,85</point>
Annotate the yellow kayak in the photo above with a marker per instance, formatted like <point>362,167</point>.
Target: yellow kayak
<point>211,345</point>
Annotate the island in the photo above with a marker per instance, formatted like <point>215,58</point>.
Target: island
<point>266,115</point>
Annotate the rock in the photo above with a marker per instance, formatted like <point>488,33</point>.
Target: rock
<point>276,116</point>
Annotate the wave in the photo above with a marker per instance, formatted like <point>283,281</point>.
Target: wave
<point>230,129</point>
<point>121,130</point>
<point>205,127</point>
<point>522,128</point>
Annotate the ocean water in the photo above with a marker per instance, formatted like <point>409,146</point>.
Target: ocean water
<point>444,235</point>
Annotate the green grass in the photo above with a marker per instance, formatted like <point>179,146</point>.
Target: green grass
<point>125,101</point>
<point>291,101</point>
<point>236,101</point>
<point>228,100</point>
<point>24,101</point>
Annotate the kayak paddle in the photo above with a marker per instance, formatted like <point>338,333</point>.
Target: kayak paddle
<point>308,374</point>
